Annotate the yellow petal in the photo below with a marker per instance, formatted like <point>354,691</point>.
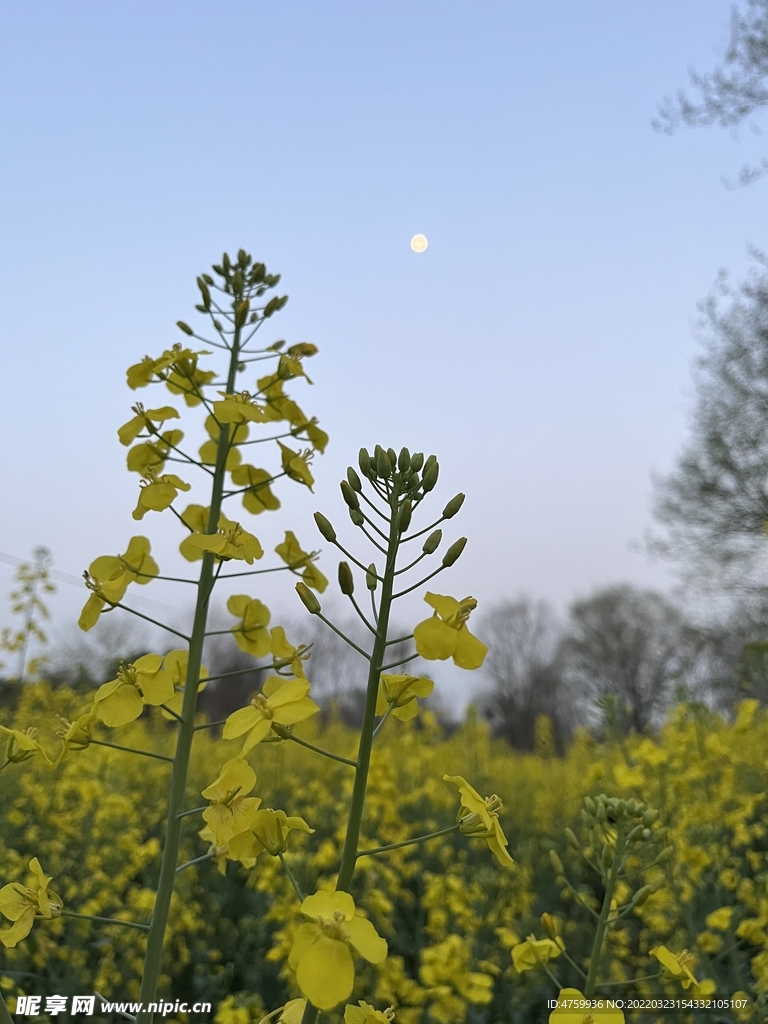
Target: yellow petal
<point>435,640</point>
<point>92,609</point>
<point>256,735</point>
<point>305,935</point>
<point>366,940</point>
<point>297,711</point>
<point>325,904</point>
<point>236,774</point>
<point>471,799</point>
<point>241,721</point>
<point>470,652</point>
<point>19,930</point>
<point>123,706</point>
<point>12,903</point>
<point>326,973</point>
<point>446,607</point>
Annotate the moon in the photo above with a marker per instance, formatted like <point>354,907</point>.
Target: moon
<point>419,243</point>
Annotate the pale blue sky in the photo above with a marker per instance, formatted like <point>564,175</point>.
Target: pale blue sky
<point>541,347</point>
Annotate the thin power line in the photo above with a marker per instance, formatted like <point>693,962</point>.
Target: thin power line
<point>77,581</point>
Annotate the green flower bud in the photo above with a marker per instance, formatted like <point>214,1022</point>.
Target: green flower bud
<point>241,313</point>
<point>607,857</point>
<point>383,465</point>
<point>184,327</point>
<point>646,834</point>
<point>325,527</point>
<point>590,805</point>
<point>356,516</point>
<point>665,854</point>
<point>600,813</point>
<point>556,863</point>
<point>635,833</point>
<point>308,599</point>
<point>429,478</point>
<point>404,460</point>
<point>364,461</point>
<point>207,278</point>
<point>392,456</point>
<point>346,579</point>
<point>453,506</point>
<point>572,840</point>
<point>548,926</point>
<point>650,817</point>
<point>642,895</point>
<point>454,551</point>
<point>237,285</point>
<point>354,479</point>
<point>370,577</point>
<point>349,495</point>
<point>432,543</point>
<point>417,461</point>
<point>404,516</point>
<point>205,292</point>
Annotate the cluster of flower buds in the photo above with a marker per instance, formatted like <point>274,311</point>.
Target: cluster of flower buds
<point>618,829</point>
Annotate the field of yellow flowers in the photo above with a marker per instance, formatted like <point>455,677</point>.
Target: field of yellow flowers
<point>451,915</point>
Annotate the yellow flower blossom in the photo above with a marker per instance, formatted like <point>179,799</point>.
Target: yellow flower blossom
<point>296,558</point>
<point>676,964</point>
<point>566,1014</point>
<point>22,904</point>
<point>230,541</point>
<point>75,735</point>
<point>285,655</point>
<point>122,700</point>
<point>720,919</point>
<point>445,635</point>
<point>280,702</point>
<point>231,809</point>
<point>364,1013</point>
<point>479,818</point>
<point>401,691</point>
<point>296,465</point>
<point>267,830</point>
<point>257,497</point>
<point>176,663</point>
<point>22,744</point>
<point>145,419</point>
<point>251,635</point>
<point>321,954</point>
<point>158,492</point>
<point>109,576</point>
<point>533,953</point>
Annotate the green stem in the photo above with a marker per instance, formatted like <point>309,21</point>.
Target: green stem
<point>318,750</point>
<point>629,981</point>
<point>291,878</point>
<point>385,716</point>
<point>5,1017</point>
<point>5,764</point>
<point>408,842</point>
<point>192,810</point>
<point>132,750</point>
<point>195,860</point>
<point>602,921</point>
<point>105,920</point>
<point>186,732</point>
<point>349,853</point>
<point>573,963</point>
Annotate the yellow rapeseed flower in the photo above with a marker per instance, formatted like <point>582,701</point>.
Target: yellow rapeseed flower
<point>401,692</point>
<point>364,1013</point>
<point>297,559</point>
<point>122,700</point>
<point>109,576</point>
<point>281,702</point>
<point>479,818</point>
<point>445,635</point>
<point>22,904</point>
<point>267,830</point>
<point>322,948</point>
<point>532,953</point>
<point>231,809</point>
<point>22,744</point>
<point>565,1014</point>
<point>251,635</point>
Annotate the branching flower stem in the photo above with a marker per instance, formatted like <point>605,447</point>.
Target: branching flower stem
<point>132,750</point>
<point>602,920</point>
<point>349,855</point>
<point>291,878</point>
<point>186,732</point>
<point>105,920</point>
<point>408,842</point>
